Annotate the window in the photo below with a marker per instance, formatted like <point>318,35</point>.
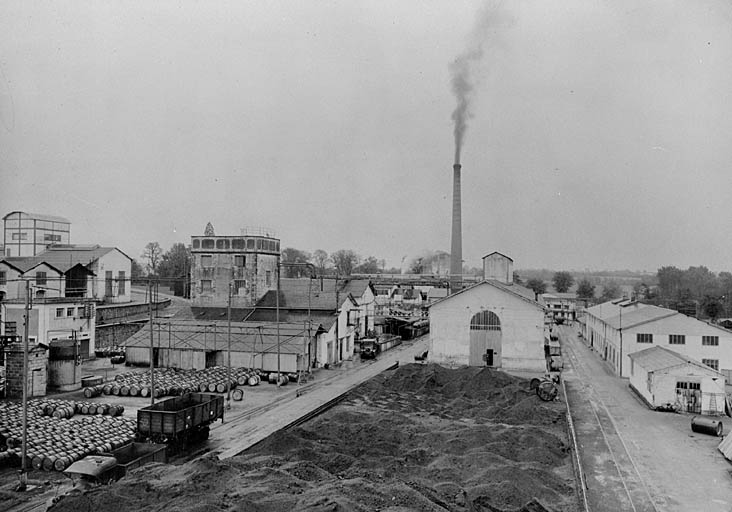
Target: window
<point>70,311</point>
<point>677,339</point>
<point>268,278</point>
<point>711,363</point>
<point>238,244</point>
<point>11,328</point>
<point>121,289</point>
<point>20,236</point>
<point>51,238</point>
<point>706,340</point>
<point>108,283</point>
<point>644,338</point>
<point>59,312</point>
<point>239,285</point>
<point>40,278</point>
<point>222,244</point>
<point>206,260</point>
<point>3,278</point>
<point>250,243</point>
<point>240,260</point>
<point>207,243</point>
<point>205,285</point>
<point>196,244</point>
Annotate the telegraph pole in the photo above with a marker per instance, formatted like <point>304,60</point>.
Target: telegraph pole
<point>278,320</point>
<point>24,449</point>
<point>152,345</point>
<point>228,354</point>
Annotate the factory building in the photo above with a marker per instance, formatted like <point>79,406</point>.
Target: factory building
<point>663,377</point>
<point>494,323</point>
<point>27,234</point>
<point>619,328</point>
<point>245,266</point>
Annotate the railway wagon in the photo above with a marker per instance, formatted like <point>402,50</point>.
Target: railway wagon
<point>181,420</point>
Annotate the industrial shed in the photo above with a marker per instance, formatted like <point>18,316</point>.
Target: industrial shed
<point>194,344</point>
<point>489,324</point>
<point>663,377</point>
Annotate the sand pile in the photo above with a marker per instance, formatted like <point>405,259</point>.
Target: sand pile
<point>421,437</point>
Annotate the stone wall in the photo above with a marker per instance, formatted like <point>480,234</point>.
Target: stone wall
<point>111,335</point>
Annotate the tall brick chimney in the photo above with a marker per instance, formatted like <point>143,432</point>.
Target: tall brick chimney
<point>456,249</point>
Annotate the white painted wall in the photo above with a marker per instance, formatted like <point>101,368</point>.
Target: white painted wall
<point>522,328</point>
<point>114,261</point>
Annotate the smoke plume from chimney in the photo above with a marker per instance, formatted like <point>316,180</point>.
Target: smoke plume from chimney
<point>466,73</point>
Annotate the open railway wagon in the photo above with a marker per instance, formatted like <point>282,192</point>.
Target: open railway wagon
<point>179,421</point>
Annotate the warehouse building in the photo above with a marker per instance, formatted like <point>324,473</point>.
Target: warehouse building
<point>619,328</point>
<point>665,378</point>
<point>287,347</point>
<point>28,234</point>
<point>494,323</point>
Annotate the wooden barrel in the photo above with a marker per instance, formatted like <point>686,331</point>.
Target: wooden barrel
<point>212,387</point>
<point>220,387</point>
<point>37,462</point>
<point>253,380</point>
<point>48,462</point>
<point>107,389</point>
<point>113,410</point>
<point>237,395</point>
<point>134,391</point>
<point>61,463</point>
<point>115,390</point>
<point>91,392</point>
<point>203,387</point>
<point>84,409</point>
<point>124,391</point>
<point>144,391</point>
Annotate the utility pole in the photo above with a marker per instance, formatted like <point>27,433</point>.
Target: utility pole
<point>152,349</point>
<point>228,351</point>
<point>24,449</point>
<point>278,320</point>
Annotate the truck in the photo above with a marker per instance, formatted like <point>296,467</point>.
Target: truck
<point>107,467</point>
<point>179,421</point>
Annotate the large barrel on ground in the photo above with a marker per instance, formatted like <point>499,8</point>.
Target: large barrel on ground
<point>237,395</point>
<point>711,426</point>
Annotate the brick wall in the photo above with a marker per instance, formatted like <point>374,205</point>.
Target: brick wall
<point>37,371</point>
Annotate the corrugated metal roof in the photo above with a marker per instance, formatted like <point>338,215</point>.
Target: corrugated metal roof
<point>73,254</point>
<point>41,216</point>
<point>245,336</point>
<point>660,358</point>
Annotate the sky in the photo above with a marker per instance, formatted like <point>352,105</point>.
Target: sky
<point>597,134</point>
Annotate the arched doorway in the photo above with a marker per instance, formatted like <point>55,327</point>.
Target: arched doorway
<point>485,339</point>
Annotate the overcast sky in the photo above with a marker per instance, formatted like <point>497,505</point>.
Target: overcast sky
<point>599,137</point>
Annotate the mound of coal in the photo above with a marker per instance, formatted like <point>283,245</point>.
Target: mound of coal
<point>421,437</point>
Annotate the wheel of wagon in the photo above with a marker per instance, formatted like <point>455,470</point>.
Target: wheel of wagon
<point>547,391</point>
<point>534,383</point>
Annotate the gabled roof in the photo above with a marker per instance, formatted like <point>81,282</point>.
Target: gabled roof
<point>659,358</point>
<point>27,263</point>
<point>73,254</point>
<point>10,263</point>
<point>357,287</point>
<point>639,316</point>
<point>500,254</point>
<point>514,289</point>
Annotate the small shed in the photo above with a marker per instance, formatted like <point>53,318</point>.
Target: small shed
<point>666,378</point>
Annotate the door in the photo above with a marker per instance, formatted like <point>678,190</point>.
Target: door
<point>688,396</point>
<point>485,340</point>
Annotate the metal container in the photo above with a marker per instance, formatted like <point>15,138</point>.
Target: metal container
<point>704,425</point>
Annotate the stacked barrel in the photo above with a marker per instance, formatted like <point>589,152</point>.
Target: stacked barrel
<point>54,442</point>
<point>174,382</point>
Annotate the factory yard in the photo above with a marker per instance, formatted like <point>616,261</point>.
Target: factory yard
<point>420,437</point>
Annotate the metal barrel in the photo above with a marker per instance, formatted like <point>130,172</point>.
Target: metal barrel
<point>703,425</point>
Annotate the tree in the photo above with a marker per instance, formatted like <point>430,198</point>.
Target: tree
<point>320,259</point>
<point>175,265</point>
<point>296,260</point>
<point>137,271</point>
<point>344,260</point>
<point>537,285</point>
<point>368,266</point>
<point>669,282</point>
<point>711,307</point>
<point>152,256</point>
<point>417,266</point>
<point>563,281</point>
<point>610,290</point>
<point>585,289</point>
<point>517,278</point>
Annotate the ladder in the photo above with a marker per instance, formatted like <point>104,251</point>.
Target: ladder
<point>713,403</point>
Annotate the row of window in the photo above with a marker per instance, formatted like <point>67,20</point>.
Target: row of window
<point>240,260</point>
<point>68,312</point>
<point>207,284</point>
<point>255,244</point>
<point>677,339</point>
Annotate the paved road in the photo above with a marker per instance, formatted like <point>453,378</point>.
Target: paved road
<point>637,459</point>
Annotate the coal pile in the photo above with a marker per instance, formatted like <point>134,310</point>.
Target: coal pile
<point>421,437</point>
